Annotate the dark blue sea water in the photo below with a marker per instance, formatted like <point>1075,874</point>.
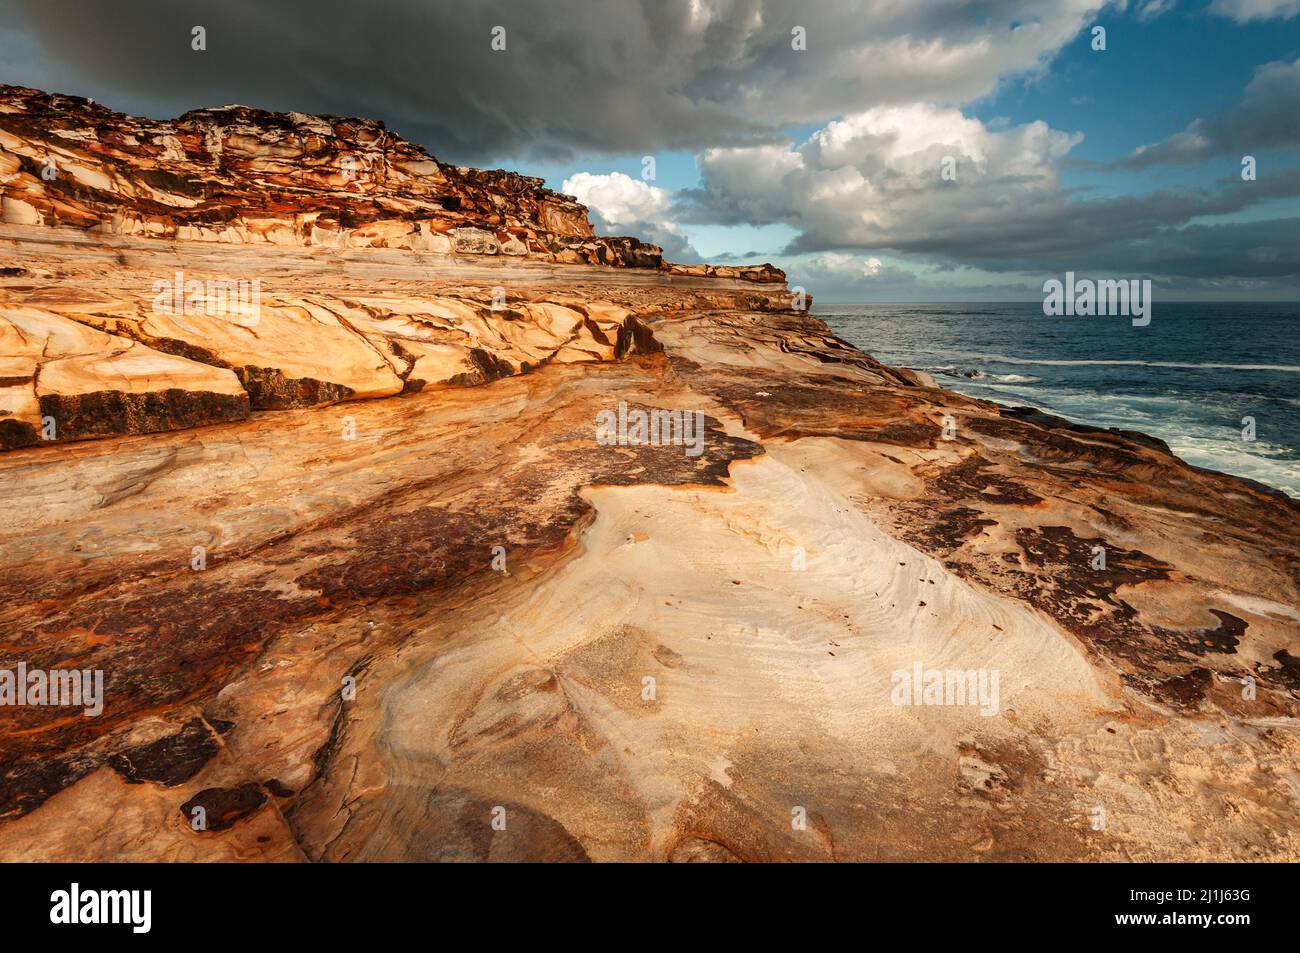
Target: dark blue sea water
<point>1188,378</point>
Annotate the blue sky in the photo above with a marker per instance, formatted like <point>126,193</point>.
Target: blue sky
<point>827,161</point>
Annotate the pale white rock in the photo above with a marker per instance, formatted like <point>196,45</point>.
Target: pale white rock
<point>474,241</point>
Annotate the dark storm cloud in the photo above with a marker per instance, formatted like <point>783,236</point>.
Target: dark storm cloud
<point>578,76</point>
<point>1149,234</point>
<point>1152,228</point>
<point>567,81</point>
<point>718,77</point>
<point>1255,250</point>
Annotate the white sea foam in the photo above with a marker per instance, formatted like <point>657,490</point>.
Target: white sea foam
<point>975,374</point>
<point>1219,449</point>
<point>1197,407</point>
<point>1003,359</point>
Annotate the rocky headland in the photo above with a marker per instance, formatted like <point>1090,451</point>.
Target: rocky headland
<point>301,451</point>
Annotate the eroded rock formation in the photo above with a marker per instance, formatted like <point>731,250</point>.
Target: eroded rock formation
<point>237,175</point>
<point>363,577</point>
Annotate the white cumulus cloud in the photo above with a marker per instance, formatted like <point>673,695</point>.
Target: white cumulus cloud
<point>622,205</point>
<point>876,179</point>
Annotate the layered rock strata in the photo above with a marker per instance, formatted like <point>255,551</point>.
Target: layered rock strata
<point>237,175</point>
<point>366,576</point>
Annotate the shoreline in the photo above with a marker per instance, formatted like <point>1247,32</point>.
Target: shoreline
<point>459,625</point>
<point>1193,406</point>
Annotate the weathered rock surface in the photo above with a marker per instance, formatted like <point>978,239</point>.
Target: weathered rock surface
<point>109,341</point>
<point>63,380</point>
<point>237,175</point>
<point>359,629</point>
<point>240,175</point>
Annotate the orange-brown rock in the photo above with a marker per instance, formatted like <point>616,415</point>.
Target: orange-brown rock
<point>237,175</point>
<point>406,585</point>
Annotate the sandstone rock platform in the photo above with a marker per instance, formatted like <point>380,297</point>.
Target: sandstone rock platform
<point>361,573</point>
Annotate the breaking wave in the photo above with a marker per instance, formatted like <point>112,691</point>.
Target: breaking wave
<point>974,374</point>
<point>1051,362</point>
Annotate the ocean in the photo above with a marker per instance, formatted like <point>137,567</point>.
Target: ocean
<point>1188,378</point>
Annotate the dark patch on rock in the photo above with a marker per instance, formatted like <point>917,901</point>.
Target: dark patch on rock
<point>667,657</point>
<point>947,529</point>
<point>160,645</point>
<point>277,788</point>
<point>1184,691</point>
<point>975,478</point>
<point>166,181</point>
<point>1289,671</point>
<point>490,366</point>
<point>269,389</point>
<point>463,821</point>
<point>172,760</point>
<point>818,407</point>
<point>224,807</point>
<point>398,553</point>
<point>105,413</point>
<point>17,433</point>
<point>1069,559</point>
<point>26,785</point>
<point>635,337</point>
<point>1222,638</point>
<point>1057,577</point>
<point>173,346</point>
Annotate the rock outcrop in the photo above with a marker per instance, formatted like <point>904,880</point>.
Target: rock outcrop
<point>238,175</point>
<point>393,551</point>
<point>138,336</point>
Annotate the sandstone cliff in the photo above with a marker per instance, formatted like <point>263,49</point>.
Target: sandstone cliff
<point>359,569</point>
<point>238,175</point>
<point>196,349</point>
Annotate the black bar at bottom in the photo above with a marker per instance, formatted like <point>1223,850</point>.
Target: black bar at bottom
<point>269,903</point>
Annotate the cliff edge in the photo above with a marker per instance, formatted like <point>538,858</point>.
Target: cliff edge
<point>412,505</point>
